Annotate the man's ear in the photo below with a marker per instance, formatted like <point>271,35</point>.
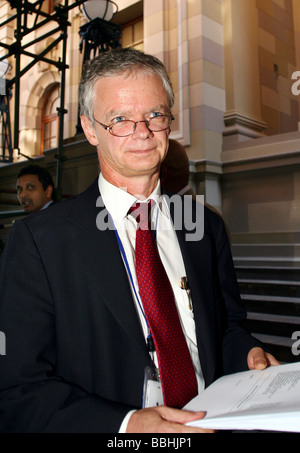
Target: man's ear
<point>48,192</point>
<point>89,130</point>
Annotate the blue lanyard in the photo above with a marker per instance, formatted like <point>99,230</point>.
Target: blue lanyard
<point>122,250</point>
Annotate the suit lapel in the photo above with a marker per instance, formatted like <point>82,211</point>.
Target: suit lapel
<point>197,256</point>
<point>107,273</point>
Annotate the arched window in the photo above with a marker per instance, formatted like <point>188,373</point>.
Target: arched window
<point>50,120</point>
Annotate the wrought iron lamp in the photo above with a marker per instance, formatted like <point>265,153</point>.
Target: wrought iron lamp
<point>104,9</point>
<point>99,34</point>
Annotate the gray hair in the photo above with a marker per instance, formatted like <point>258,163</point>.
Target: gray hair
<point>116,62</point>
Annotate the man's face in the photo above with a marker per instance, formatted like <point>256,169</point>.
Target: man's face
<point>134,97</point>
<point>31,194</point>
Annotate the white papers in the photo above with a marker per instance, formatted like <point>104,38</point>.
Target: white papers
<point>266,400</point>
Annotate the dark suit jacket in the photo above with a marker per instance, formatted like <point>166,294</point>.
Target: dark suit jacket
<point>75,351</point>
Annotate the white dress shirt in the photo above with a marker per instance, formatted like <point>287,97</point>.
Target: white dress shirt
<point>118,202</point>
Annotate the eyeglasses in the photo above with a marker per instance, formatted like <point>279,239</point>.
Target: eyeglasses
<point>123,128</point>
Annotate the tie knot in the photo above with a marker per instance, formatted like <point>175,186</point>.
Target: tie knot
<point>142,214</point>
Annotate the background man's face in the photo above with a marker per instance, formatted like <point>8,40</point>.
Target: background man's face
<point>31,194</point>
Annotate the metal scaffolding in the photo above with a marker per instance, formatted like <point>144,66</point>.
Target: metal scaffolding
<point>96,34</point>
<point>59,19</point>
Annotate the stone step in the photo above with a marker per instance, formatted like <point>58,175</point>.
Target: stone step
<point>287,251</point>
<point>270,324</point>
<point>281,347</point>
<point>270,287</point>
<point>272,261</point>
<point>266,255</point>
<point>268,273</point>
<point>270,237</point>
<point>284,306</point>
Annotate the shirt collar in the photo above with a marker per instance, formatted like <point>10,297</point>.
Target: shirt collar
<point>118,202</point>
<point>46,205</point>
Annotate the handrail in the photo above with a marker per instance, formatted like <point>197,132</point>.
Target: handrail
<point>8,214</point>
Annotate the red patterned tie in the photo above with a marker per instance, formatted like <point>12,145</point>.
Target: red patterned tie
<point>175,365</point>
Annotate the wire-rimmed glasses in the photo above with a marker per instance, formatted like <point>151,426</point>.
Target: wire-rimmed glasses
<point>124,128</point>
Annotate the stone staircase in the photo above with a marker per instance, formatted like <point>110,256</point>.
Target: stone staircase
<point>268,272</point>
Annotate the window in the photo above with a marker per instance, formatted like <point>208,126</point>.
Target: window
<point>52,5</point>
<point>50,120</point>
<point>133,34</point>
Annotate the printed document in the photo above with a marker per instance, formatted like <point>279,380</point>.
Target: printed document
<point>266,400</point>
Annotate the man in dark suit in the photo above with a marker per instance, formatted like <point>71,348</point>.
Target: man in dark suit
<point>70,305</point>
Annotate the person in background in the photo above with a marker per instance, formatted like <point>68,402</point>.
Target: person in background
<point>35,188</point>
<point>174,173</point>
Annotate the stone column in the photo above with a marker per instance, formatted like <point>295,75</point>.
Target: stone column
<point>188,37</point>
<point>243,103</point>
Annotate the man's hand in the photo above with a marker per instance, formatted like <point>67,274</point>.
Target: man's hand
<point>163,419</point>
<point>258,359</point>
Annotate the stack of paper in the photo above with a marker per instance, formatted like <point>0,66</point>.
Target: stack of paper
<point>266,400</point>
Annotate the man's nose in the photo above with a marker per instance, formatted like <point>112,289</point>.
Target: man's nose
<point>142,129</point>
<point>23,194</point>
